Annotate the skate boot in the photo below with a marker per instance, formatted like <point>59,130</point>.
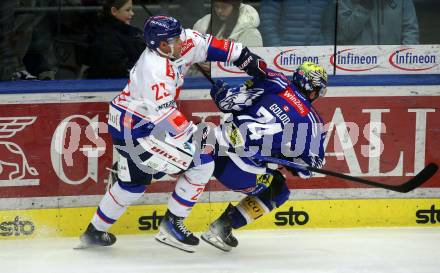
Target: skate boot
<point>220,232</point>
<point>93,237</point>
<point>173,232</point>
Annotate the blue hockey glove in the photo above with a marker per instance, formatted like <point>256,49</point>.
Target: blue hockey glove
<point>251,63</point>
<point>296,171</point>
<point>304,174</point>
<point>219,87</point>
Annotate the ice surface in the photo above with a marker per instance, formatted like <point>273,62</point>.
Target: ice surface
<point>391,250</point>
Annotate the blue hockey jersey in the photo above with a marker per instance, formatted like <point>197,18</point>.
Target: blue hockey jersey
<point>270,117</point>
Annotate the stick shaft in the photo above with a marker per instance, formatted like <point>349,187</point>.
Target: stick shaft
<point>407,186</point>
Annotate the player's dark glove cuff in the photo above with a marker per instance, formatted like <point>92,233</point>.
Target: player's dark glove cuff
<point>217,88</point>
<point>291,170</point>
<point>251,63</point>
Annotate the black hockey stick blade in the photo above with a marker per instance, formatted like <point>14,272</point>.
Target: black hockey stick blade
<point>408,186</point>
<point>423,176</point>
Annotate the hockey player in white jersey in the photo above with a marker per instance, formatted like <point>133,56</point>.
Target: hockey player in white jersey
<point>153,137</point>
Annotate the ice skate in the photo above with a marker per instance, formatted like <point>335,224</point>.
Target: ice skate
<point>220,232</point>
<point>173,232</point>
<point>93,238</point>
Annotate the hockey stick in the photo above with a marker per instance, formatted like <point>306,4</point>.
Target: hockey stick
<point>207,76</point>
<point>423,176</point>
<point>407,186</point>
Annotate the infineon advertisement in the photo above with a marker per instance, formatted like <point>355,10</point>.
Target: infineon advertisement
<point>55,150</point>
<point>347,60</point>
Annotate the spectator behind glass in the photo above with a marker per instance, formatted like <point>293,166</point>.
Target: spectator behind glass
<point>26,42</point>
<point>368,22</point>
<point>292,22</point>
<point>187,12</point>
<point>9,62</point>
<point>232,20</point>
<point>117,45</point>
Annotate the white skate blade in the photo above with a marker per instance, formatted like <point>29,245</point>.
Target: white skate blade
<point>83,245</point>
<point>215,241</point>
<point>165,238</point>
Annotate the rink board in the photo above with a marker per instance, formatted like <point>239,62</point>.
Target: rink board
<point>293,214</point>
<point>54,151</point>
<point>59,146</point>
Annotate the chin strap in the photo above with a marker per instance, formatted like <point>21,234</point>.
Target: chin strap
<point>169,55</point>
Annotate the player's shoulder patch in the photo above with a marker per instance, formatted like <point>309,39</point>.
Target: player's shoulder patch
<point>249,84</point>
<point>187,46</point>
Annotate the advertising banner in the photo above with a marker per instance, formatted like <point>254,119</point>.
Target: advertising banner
<point>346,60</point>
<point>63,149</point>
<point>145,219</point>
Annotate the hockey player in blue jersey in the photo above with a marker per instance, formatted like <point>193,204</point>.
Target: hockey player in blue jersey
<point>270,117</point>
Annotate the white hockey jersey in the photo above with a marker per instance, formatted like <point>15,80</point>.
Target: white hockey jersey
<point>154,85</point>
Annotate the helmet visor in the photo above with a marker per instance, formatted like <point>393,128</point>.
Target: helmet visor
<point>178,39</point>
<point>323,92</point>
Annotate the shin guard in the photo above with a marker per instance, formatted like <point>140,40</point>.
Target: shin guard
<point>248,210</point>
<point>190,186</point>
<point>114,203</point>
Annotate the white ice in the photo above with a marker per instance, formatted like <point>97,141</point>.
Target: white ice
<point>391,250</point>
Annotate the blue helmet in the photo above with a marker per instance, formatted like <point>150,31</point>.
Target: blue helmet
<point>160,28</point>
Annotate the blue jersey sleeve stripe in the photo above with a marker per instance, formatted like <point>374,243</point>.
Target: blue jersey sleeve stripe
<point>314,124</point>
